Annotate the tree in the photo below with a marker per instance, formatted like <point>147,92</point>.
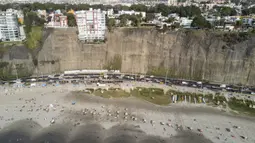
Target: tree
<point>248,11</point>
<point>219,22</point>
<point>175,25</point>
<point>31,19</point>
<point>98,6</point>
<point>253,31</point>
<point>149,17</point>
<point>194,11</point>
<point>136,20</point>
<point>80,7</point>
<point>117,8</point>
<point>164,9</point>
<point>233,12</point>
<point>110,23</point>
<point>200,22</point>
<point>71,21</point>
<point>170,20</point>
<point>27,23</point>
<point>138,7</point>
<point>188,11</point>
<point>238,24</point>
<point>34,19</point>
<point>226,11</point>
<point>123,20</point>
<point>182,12</point>
<point>37,6</point>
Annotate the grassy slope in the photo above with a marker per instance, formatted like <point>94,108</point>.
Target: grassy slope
<point>153,95</point>
<point>157,96</point>
<point>34,37</point>
<point>241,107</point>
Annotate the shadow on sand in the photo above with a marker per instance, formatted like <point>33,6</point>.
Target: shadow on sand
<point>25,131</point>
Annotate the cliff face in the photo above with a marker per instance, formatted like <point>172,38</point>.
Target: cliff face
<point>191,55</point>
<point>15,60</point>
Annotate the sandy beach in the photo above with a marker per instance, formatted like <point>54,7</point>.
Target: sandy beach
<point>73,116</point>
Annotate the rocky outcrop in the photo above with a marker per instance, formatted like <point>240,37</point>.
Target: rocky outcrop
<point>195,55</point>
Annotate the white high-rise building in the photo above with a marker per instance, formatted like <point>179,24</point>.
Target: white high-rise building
<point>9,27</point>
<point>91,24</point>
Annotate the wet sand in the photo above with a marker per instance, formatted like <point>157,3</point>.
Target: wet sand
<point>94,119</point>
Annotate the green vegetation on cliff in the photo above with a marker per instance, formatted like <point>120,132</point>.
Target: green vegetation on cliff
<point>110,23</point>
<point>3,64</point>
<point>34,37</point>
<point>11,71</point>
<point>160,71</point>
<point>234,37</point>
<point>71,21</point>
<point>33,28</point>
<point>5,71</point>
<point>5,46</point>
<point>3,49</point>
<point>114,63</point>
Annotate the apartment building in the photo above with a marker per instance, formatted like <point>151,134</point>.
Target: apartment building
<point>91,24</point>
<point>9,27</point>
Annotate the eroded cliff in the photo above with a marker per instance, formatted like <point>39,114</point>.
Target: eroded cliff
<point>15,61</point>
<point>195,55</point>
